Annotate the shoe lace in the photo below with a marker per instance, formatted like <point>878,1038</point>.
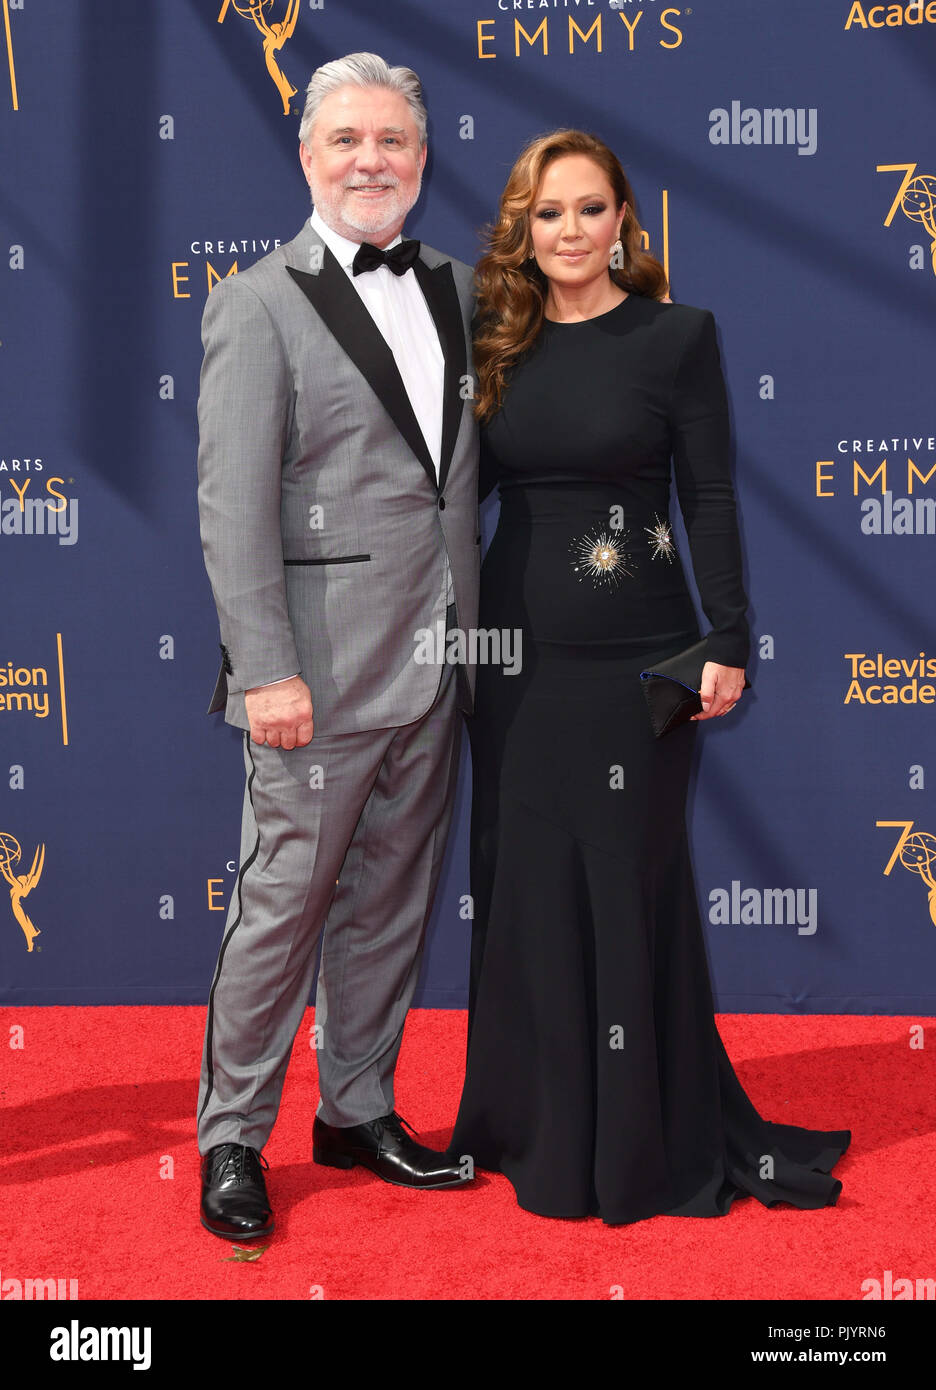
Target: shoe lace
<point>394,1121</point>
<point>235,1161</point>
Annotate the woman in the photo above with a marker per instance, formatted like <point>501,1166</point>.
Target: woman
<point>596,1078</point>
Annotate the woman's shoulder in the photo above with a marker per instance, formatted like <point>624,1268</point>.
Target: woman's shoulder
<point>677,330</point>
<point>678,318</point>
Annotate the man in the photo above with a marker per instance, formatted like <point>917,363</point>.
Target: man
<point>338,503</point>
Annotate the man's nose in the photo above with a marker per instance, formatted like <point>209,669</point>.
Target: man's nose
<point>370,155</point>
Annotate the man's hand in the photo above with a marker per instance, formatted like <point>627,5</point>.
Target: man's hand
<point>720,690</point>
<point>280,715</point>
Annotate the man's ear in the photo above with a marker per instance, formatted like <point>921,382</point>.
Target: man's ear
<point>305,159</point>
<point>422,157</point>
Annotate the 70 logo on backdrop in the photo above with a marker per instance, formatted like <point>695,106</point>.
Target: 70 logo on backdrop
<point>916,198</point>
<point>916,850</point>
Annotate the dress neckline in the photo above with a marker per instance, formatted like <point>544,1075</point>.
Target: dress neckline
<point>581,323</point>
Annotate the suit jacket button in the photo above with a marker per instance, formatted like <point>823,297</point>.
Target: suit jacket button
<point>441,504</point>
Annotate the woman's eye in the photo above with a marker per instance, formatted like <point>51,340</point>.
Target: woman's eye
<point>549,214</point>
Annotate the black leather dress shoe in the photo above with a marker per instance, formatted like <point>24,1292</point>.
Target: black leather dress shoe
<point>386,1149</point>
<point>234,1202</point>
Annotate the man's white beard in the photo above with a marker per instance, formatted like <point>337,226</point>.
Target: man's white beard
<point>334,210</point>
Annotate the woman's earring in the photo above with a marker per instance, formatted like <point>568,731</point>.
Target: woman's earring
<point>617,255</point>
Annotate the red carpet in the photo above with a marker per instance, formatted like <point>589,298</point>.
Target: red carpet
<point>98,1101</point>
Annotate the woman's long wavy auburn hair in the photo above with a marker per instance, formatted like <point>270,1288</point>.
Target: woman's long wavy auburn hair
<point>511,288</point>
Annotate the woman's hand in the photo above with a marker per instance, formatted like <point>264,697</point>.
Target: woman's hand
<point>720,690</point>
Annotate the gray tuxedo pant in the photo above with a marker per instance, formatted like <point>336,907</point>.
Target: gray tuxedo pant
<point>372,811</point>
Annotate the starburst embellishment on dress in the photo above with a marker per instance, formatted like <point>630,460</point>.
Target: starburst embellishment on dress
<point>600,557</point>
<point>661,539</point>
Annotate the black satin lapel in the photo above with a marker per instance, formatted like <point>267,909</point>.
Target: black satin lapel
<point>344,315</point>
<point>438,287</point>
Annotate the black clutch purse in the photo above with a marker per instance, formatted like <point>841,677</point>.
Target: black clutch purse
<point>672,688</point>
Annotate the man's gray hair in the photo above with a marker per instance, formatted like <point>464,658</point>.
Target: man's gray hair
<point>362,70</point>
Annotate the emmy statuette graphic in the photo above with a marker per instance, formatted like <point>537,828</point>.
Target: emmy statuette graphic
<point>21,885</point>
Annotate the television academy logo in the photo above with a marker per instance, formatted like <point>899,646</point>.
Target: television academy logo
<point>890,16</point>
<point>28,689</point>
<point>878,679</point>
<point>20,885</point>
<point>275,35</point>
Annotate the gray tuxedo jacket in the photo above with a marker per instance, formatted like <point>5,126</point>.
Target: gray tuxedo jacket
<point>324,529</point>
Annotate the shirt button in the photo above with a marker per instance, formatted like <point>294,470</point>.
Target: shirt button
<point>441,504</point>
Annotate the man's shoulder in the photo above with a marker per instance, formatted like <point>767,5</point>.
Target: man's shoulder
<point>267,272</point>
<point>266,280</point>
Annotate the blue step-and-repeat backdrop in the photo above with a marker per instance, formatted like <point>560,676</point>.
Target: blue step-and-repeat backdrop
<point>784,157</point>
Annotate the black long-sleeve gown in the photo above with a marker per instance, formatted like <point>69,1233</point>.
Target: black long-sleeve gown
<point>596,1078</point>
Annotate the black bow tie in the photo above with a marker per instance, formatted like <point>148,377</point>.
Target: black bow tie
<point>399,260</point>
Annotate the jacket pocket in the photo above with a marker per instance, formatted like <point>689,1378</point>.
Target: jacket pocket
<point>336,560</point>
